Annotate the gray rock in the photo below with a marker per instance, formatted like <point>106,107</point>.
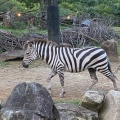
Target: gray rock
<point>0,105</point>
<point>9,55</point>
<point>111,107</point>
<point>93,100</point>
<point>74,112</point>
<point>29,101</point>
<point>110,47</point>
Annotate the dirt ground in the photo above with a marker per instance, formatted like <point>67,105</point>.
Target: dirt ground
<point>75,83</point>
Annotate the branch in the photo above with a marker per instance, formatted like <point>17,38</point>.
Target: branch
<point>90,38</point>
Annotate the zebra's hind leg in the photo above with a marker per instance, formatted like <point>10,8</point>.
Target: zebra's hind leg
<point>52,74</point>
<point>61,76</point>
<point>93,76</point>
<point>111,76</point>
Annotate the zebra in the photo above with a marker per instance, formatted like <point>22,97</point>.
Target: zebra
<point>63,59</point>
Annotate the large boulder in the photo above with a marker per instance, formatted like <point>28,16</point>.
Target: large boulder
<point>93,100</point>
<point>29,101</point>
<point>111,107</point>
<point>110,47</point>
<point>73,112</point>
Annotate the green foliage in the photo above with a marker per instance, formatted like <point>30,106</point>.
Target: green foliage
<point>117,30</point>
<point>29,3</point>
<point>65,12</point>
<point>19,32</point>
<point>118,48</point>
<point>73,101</point>
<point>67,7</point>
<point>18,7</point>
<point>4,64</point>
<point>89,2</point>
<point>71,7</point>
<point>94,7</point>
<point>18,25</point>
<point>5,6</point>
<point>12,4</point>
<point>16,32</point>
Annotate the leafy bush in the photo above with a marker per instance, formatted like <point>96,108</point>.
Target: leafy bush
<point>65,12</point>
<point>18,25</point>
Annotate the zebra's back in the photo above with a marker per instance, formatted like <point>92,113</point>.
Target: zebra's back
<point>76,60</point>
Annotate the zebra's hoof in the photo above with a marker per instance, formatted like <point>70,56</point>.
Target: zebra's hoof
<point>62,95</point>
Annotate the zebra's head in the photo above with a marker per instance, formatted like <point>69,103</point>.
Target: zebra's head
<point>30,53</point>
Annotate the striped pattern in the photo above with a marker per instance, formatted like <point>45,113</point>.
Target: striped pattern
<point>69,59</point>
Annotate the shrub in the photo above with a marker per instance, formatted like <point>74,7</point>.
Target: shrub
<point>18,25</point>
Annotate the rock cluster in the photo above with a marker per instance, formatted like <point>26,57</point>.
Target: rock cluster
<point>32,101</point>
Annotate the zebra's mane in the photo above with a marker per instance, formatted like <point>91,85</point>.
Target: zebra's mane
<point>39,40</point>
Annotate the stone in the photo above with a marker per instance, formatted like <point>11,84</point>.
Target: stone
<point>0,105</point>
<point>93,100</point>
<point>70,111</point>
<point>110,47</point>
<point>111,107</point>
<point>9,55</point>
<point>29,101</point>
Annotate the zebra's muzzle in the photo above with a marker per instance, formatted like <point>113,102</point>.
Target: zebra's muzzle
<point>25,65</point>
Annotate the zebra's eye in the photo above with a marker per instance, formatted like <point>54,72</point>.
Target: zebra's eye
<point>27,53</point>
<point>30,45</point>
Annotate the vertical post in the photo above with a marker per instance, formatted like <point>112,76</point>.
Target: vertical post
<point>53,21</point>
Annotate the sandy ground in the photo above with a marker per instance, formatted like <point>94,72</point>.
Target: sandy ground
<point>75,83</point>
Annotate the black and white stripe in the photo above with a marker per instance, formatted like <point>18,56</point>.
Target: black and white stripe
<point>69,59</point>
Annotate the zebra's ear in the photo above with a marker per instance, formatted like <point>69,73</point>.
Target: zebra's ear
<point>25,45</point>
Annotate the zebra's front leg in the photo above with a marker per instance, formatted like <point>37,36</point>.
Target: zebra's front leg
<point>61,76</point>
<point>52,74</point>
